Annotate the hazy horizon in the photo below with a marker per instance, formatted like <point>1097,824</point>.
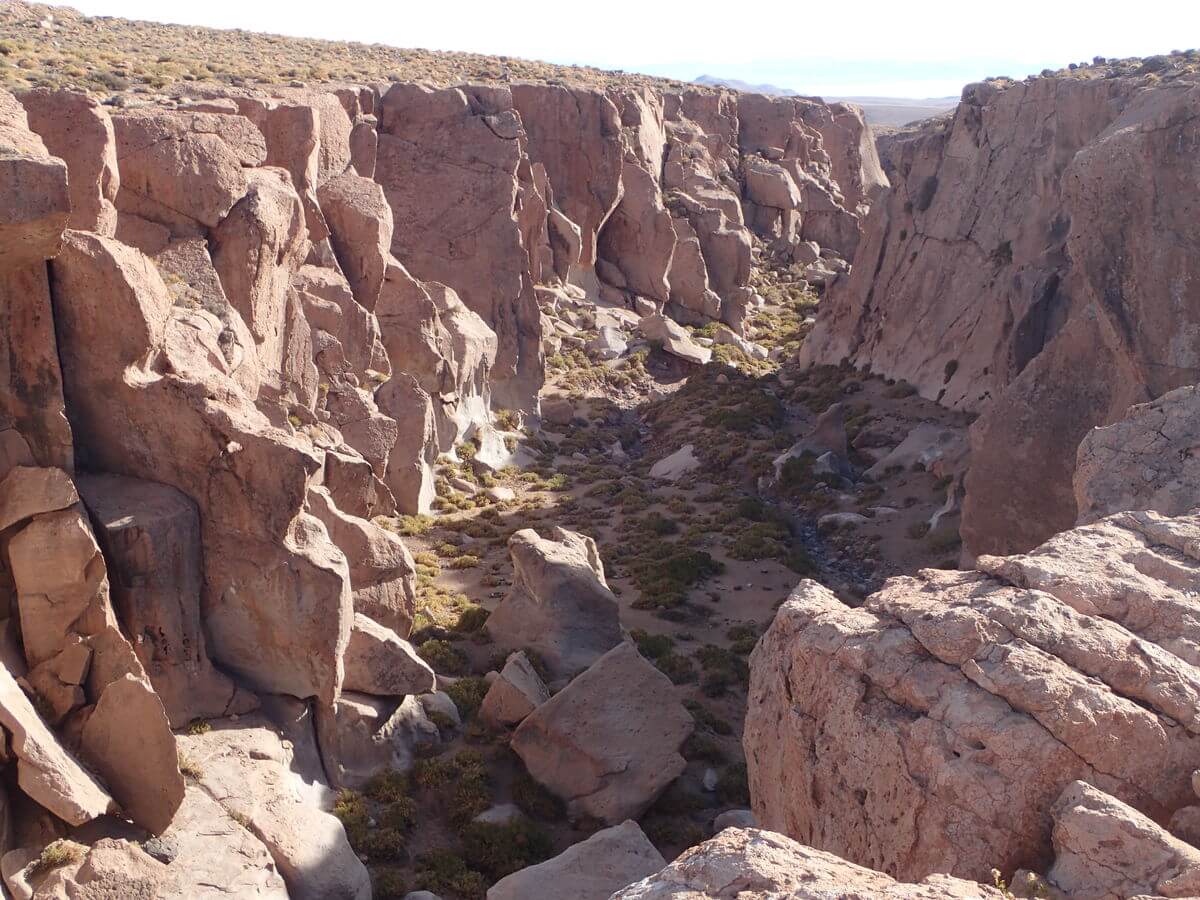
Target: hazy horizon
<point>930,52</point>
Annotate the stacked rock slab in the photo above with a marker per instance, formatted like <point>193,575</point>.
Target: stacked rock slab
<point>1018,270</point>
<point>978,696</point>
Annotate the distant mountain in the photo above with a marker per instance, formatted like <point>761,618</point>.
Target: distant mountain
<point>736,85</point>
<point>891,111</point>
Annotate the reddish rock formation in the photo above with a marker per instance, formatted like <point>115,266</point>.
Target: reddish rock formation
<point>448,163</point>
<point>760,865</point>
<point>1143,461</point>
<point>1017,268</point>
<point>977,697</point>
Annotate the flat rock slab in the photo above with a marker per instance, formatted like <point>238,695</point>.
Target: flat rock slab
<point>608,743</point>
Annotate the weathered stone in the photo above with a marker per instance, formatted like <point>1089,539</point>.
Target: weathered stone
<point>639,238</point>
<point>608,743</point>
<point>256,249</point>
<point>761,865</point>
<point>190,428</point>
<point>46,772</point>
<point>516,692</point>
<point>1058,254</point>
<point>976,692</point>
<point>244,767</point>
<point>150,534</point>
<point>1104,848</point>
<point>591,870</point>
<point>559,605</point>
<point>360,225</point>
<point>448,163</point>
<point>675,465</point>
<point>77,130</point>
<point>127,739</point>
<point>584,170</point>
<point>27,491</point>
<point>1143,461</point>
<point>183,170</point>
<point>379,661</point>
<point>382,572</point>
<point>376,733</point>
<point>212,856</point>
<point>673,338</point>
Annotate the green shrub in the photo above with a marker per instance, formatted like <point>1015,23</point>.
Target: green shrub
<point>706,719</point>
<point>446,872</point>
<point>733,788</point>
<point>472,619</point>
<point>387,786</point>
<point>652,646</point>
<point>443,656</point>
<point>536,801</point>
<point>388,884</point>
<point>677,667</point>
<point>498,850</point>
<point>467,694</point>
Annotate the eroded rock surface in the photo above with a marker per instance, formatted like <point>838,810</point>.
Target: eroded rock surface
<point>608,743</point>
<point>749,864</point>
<point>591,870</point>
<point>1003,270</point>
<point>560,605</point>
<point>977,697</point>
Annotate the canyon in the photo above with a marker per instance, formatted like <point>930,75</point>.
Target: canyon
<point>563,484</point>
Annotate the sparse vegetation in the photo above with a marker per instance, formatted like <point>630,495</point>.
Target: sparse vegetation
<point>57,854</point>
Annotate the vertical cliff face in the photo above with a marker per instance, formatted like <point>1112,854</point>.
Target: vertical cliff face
<point>240,325</point>
<point>1031,263</point>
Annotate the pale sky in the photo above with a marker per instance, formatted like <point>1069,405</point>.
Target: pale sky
<point>920,48</point>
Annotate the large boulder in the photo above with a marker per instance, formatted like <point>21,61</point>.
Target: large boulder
<point>516,692</point>
<point>760,865</point>
<point>1143,461</point>
<point>35,206</point>
<point>1103,848</point>
<point>448,163</point>
<point>183,170</point>
<point>608,743</point>
<point>591,870</point>
<point>379,661</point>
<point>360,225</point>
<point>257,248</point>
<point>559,605</point>
<point>244,767</point>
<point>673,338</point>
<point>210,855</point>
<point>639,238</point>
<point>46,771</point>
<point>82,669</point>
<point>979,696</point>
<point>152,401</point>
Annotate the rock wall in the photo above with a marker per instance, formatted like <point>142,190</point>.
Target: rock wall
<point>934,728</point>
<point>239,325</point>
<point>1033,262</point>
